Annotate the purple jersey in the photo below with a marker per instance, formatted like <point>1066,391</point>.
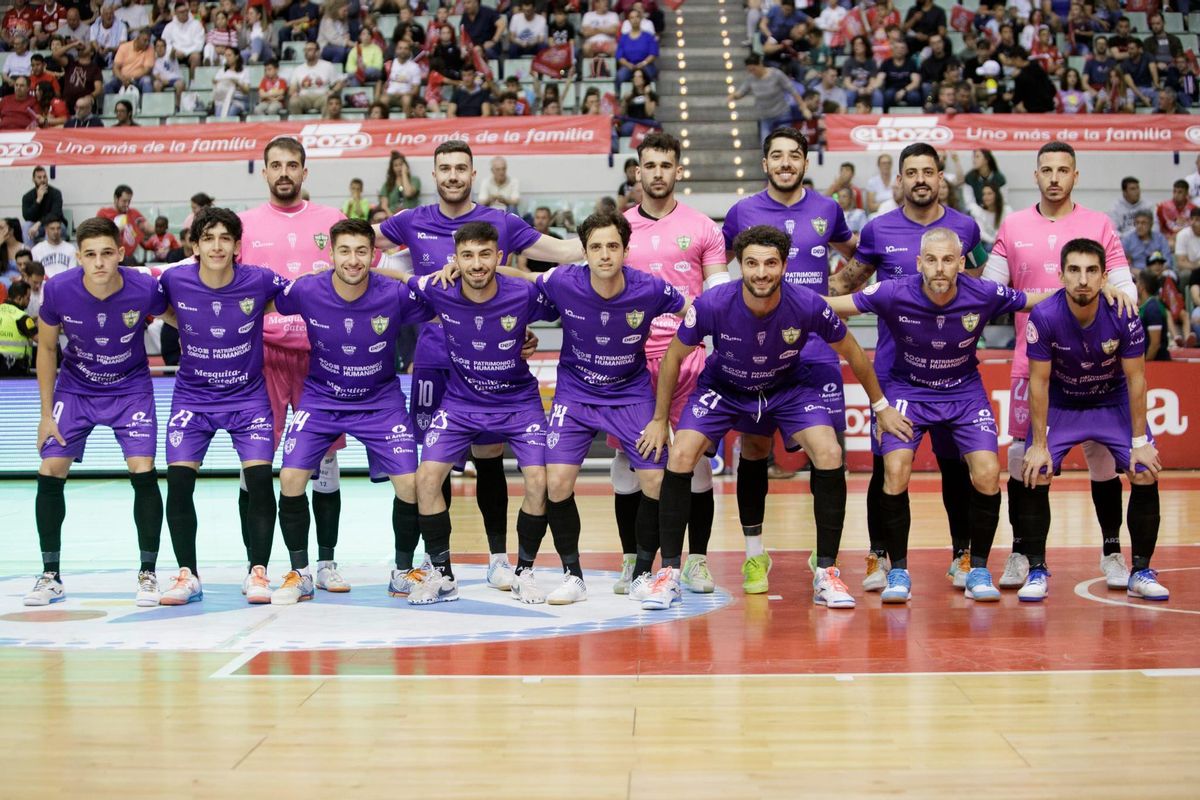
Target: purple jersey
<point>429,236</point>
<point>106,349</point>
<point>935,345</point>
<point>352,366</point>
<point>755,354</point>
<point>603,360</point>
<point>484,339</point>
<point>1085,363</point>
<point>221,336</point>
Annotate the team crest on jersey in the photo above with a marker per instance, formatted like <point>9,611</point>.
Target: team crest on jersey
<point>379,324</point>
<point>683,242</point>
<point>508,323</point>
<point>634,318</point>
<point>654,240</point>
<point>130,318</point>
<point>820,225</point>
<point>790,335</point>
<point>790,226</point>
<point>762,337</point>
<point>689,319</point>
<point>969,321</point>
<point>320,240</point>
<point>479,323</point>
<point>941,321</point>
<point>216,307</point>
<point>604,316</point>
<point>1109,346</point>
<point>102,318</point>
<point>176,438</point>
<point>349,323</point>
<point>246,304</point>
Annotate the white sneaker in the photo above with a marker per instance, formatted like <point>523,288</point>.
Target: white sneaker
<point>256,586</point>
<point>1016,571</point>
<point>627,564</point>
<point>664,591</point>
<point>186,589</point>
<point>1116,573</point>
<point>296,587</point>
<point>329,579</point>
<point>696,577</point>
<point>829,590</point>
<point>147,591</point>
<point>1036,587</point>
<point>46,590</point>
<point>639,590</point>
<point>501,573</point>
<point>899,587</point>
<point>571,590</point>
<point>877,570</point>
<point>524,588</point>
<point>1144,584</point>
<point>404,581</point>
<point>436,588</point>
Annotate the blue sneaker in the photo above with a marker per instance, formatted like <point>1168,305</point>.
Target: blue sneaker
<point>1144,584</point>
<point>979,586</point>
<point>899,587</point>
<point>1036,587</point>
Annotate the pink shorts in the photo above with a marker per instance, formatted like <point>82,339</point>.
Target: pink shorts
<point>689,377</point>
<point>1018,408</point>
<point>284,371</point>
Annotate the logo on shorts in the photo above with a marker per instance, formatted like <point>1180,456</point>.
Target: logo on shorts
<point>634,318</point>
<point>216,307</point>
<point>379,324</point>
<point>941,321</point>
<point>683,241</point>
<point>423,420</point>
<point>246,304</point>
<point>969,321</point>
<point>1109,346</point>
<point>790,335</point>
<point>102,341</point>
<point>400,429</point>
<point>552,439</point>
<point>829,388</point>
<point>1031,333</point>
<point>761,336</point>
<point>431,438</point>
<point>699,411</point>
<point>289,445</point>
<point>820,225</point>
<point>102,318</point>
<point>176,438</point>
<point>217,333</point>
<point>508,322</point>
<point>349,324</point>
<point>790,226</point>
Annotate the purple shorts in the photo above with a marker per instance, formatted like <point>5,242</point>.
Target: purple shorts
<point>942,439</point>
<point>791,409</point>
<point>827,379</point>
<point>386,433</point>
<point>190,432</point>
<point>969,423</point>
<point>131,417</point>
<point>428,389</point>
<point>574,425</point>
<point>1108,426</point>
<point>452,431</point>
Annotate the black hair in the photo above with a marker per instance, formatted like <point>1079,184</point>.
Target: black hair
<point>97,228</point>
<point>660,140</point>
<point>1056,147</point>
<point>211,216</point>
<point>1180,184</point>
<point>476,232</point>
<point>289,145</point>
<point>605,219</point>
<point>121,189</point>
<point>1149,281</point>
<point>453,146</point>
<point>786,132</point>
<point>753,60</point>
<point>918,150</point>
<point>352,227</point>
<point>1129,181</point>
<point>764,236</point>
<point>1085,247</point>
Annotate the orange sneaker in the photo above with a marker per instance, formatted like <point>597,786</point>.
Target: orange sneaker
<point>256,586</point>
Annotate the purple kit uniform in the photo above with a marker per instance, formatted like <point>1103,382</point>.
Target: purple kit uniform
<point>487,372</point>
<point>1089,399</point>
<point>811,224</point>
<point>105,376</point>
<point>934,379</point>
<point>890,243</point>
<point>603,382</point>
<point>429,236</point>
<point>351,385</point>
<point>220,382</point>
<point>754,380</point>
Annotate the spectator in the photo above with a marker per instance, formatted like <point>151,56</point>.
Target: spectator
<point>879,186</point>
<point>41,203</point>
<point>407,29</point>
<point>771,89</point>
<point>11,244</point>
<point>856,218</point>
<point>833,97</point>
<point>123,112</point>
<point>1033,91</point>
<point>81,77</point>
<point>1174,303</point>
<point>1187,247</point>
<point>19,62</point>
<point>561,30</point>
<point>631,179</point>
<point>301,22</point>
<point>591,101</point>
<point>132,65</point>
<point>1153,316</point>
<point>1173,214</point>
<point>1193,182</point>
<point>272,90</point>
<point>135,15</point>
<point>984,172</point>
<point>357,207</point>
<point>333,107</point>
<point>646,24</point>
<point>446,59</point>
<point>39,75</point>
<point>1045,53</point>
<point>541,223</point>
<point>1161,46</point>
<point>989,214</point>
<point>54,253</point>
<point>252,38</point>
<point>19,111</point>
<point>220,37</point>
<point>166,74</point>
<point>1168,103</point>
<point>1120,39</point>
<point>506,104</point>
<point>17,21</point>
<point>1143,241</point>
<point>1008,51</point>
<point>499,189</point>
<point>231,86</point>
<point>1072,98</point>
<point>600,29</point>
<point>17,332</point>
<point>781,20</point>
<point>85,115</point>
<point>401,189</point>
<point>162,242</point>
<point>860,74</point>
<point>922,22</point>
<point>845,180</point>
<point>933,66</point>
<point>943,101</point>
<point>1129,204</point>
<point>469,99</point>
<point>74,29</point>
<point>636,50</point>
<point>185,38</point>
<point>1182,77</point>
<point>1117,95</point>
<point>198,202</point>
<point>35,276</point>
<point>333,34</point>
<point>964,98</point>
<point>377,110</point>
<point>52,112</point>
<point>365,60</point>
<point>132,224</point>
<point>484,26</point>
<point>829,21</point>
<point>106,34</point>
<point>1142,74</point>
<point>311,82</point>
<point>1098,65</point>
<point>901,81</point>
<point>404,79</point>
<point>527,31</point>
<point>979,55</point>
<point>813,55</point>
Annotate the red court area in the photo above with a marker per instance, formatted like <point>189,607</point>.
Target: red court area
<point>783,633</point>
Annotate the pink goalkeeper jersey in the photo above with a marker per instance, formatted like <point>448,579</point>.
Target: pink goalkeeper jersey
<point>676,248</point>
<point>292,242</point>
<point>1028,250</point>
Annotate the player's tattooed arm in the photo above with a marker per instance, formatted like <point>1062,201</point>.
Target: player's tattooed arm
<point>888,419</point>
<point>850,278</point>
<point>47,371</point>
<point>1037,464</point>
<point>1143,452</point>
<point>654,438</point>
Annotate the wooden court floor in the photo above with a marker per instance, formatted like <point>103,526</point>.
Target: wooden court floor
<point>1089,695</point>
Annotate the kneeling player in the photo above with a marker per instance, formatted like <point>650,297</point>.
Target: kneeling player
<point>1087,381</point>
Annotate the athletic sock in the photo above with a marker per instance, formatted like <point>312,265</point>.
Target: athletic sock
<point>531,530</point>
<point>491,493</point>
<point>648,540</point>
<point>626,508</point>
<point>1106,497</point>
<point>985,516</point>
<point>1018,498</point>
<point>405,532</point>
<point>752,487</point>
<point>50,509</point>
<point>700,522</point>
<point>181,515</point>
<point>327,514</point>
<point>1143,520</point>
<point>260,513</point>
<point>752,536</point>
<point>243,516</point>
<point>147,516</point>
<point>875,524</point>
<point>956,493</point>
<point>673,511</point>
<point>294,519</point>
<point>563,518</point>
<point>896,519</point>
<point>1035,521</point>
<point>436,530</point>
<point>829,509</point>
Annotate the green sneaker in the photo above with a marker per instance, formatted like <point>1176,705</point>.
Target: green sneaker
<point>756,569</point>
<point>696,576</point>
<point>812,562</point>
<point>628,561</point>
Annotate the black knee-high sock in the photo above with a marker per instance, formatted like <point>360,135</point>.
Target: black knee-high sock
<point>405,531</point>
<point>956,488</point>
<point>147,516</point>
<point>752,488</point>
<point>436,530</point>
<point>446,493</point>
<point>626,508</point>
<point>531,530</point>
<point>491,493</point>
<point>50,509</point>
<point>985,516</point>
<point>1018,515</point>
<point>260,514</point>
<point>1035,522</point>
<point>875,523</point>
<point>674,508</point>
<point>564,526</point>
<point>294,520</point>
<point>244,518</point>
<point>829,509</point>
<point>181,515</point>
<point>896,517</point>
<point>1143,521</point>
<point>700,522</point>
<point>647,535</point>
<point>1106,497</point>
<point>327,514</point>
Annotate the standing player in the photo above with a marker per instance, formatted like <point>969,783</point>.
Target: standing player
<point>428,232</point>
<point>814,224</point>
<point>754,383</point>
<point>683,247</point>
<point>1087,381</point>
<point>351,387</point>
<point>1026,255</point>
<point>888,248</point>
<point>219,305</point>
<point>490,392</point>
<point>105,380</point>
<point>291,236</point>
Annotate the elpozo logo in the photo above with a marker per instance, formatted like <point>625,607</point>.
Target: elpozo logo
<point>898,132</point>
<point>18,146</point>
<point>333,139</point>
<point>1193,135</point>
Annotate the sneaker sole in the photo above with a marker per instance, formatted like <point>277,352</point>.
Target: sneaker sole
<point>433,601</point>
<point>147,602</point>
<point>38,603</point>
<point>647,606</point>
<point>171,601</point>
<point>558,602</point>
<point>258,601</point>
<point>620,589</point>
<point>700,589</point>
<point>335,589</point>
<point>301,599</point>
<point>871,587</point>
<point>836,604</point>
<point>398,594</point>
<point>897,601</point>
<point>1144,597</point>
<point>500,588</point>
<point>754,588</point>
<point>1032,599</point>
<point>1114,585</point>
<point>987,598</point>
<point>1014,583</point>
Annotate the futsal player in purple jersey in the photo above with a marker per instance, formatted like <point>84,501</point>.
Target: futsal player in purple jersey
<point>218,306</point>
<point>491,392</point>
<point>104,380</point>
<point>755,382</point>
<point>428,233</point>
<point>1087,382</point>
<point>351,318</point>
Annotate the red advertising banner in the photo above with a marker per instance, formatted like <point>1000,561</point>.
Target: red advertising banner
<point>1013,131</point>
<point>237,141</point>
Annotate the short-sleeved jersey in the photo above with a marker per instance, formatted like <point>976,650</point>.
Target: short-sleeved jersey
<point>1028,252</point>
<point>935,345</point>
<point>1085,363</point>
<point>106,350</point>
<point>757,354</point>
<point>221,335</point>
<point>484,341</point>
<point>429,236</point>
<point>811,224</point>
<point>292,242</point>
<point>352,364</point>
<point>603,359</point>
<point>676,248</point>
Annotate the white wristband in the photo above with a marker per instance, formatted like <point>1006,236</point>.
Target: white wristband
<point>880,405</point>
<point>1140,441</point>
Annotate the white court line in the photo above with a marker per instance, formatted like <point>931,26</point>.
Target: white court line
<point>1082,588</point>
<point>235,664</point>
